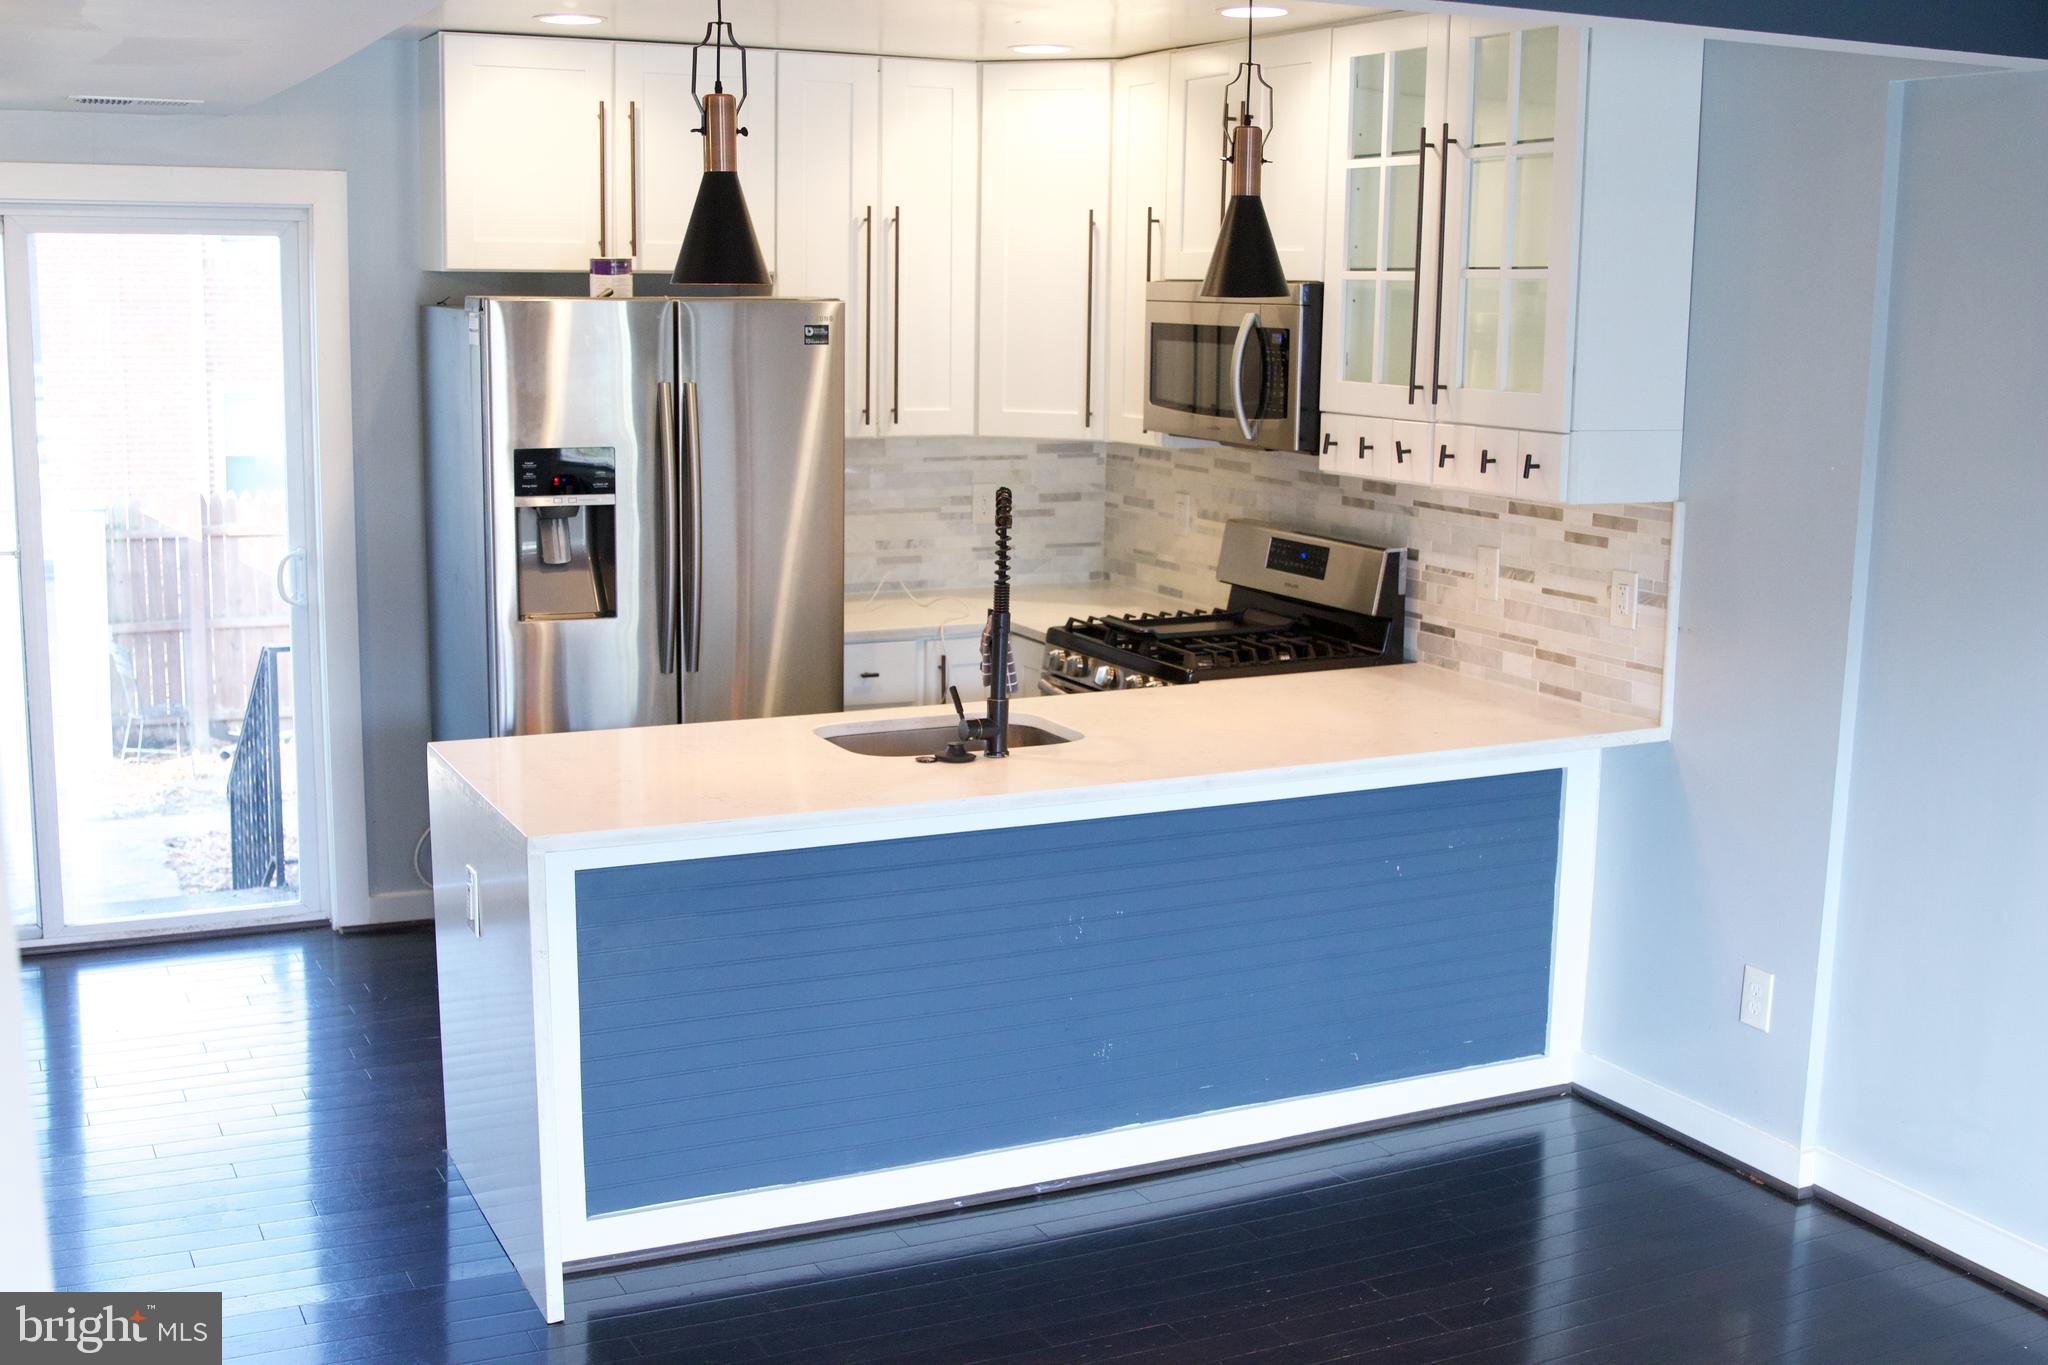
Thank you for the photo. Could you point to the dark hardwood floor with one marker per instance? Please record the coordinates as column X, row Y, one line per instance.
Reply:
column 262, row 1116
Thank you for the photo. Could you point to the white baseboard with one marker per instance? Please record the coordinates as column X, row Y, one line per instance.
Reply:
column 1961, row 1234
column 1742, row 1143
column 415, row 906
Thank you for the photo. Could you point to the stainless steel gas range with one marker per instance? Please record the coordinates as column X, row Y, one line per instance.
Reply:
column 1297, row 603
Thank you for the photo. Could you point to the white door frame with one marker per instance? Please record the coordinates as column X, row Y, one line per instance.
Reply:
column 312, row 207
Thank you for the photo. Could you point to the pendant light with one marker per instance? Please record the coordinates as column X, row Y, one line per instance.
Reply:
column 1245, row 264
column 720, row 253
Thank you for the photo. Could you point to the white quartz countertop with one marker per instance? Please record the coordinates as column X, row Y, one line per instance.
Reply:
column 607, row 787
column 1034, row 610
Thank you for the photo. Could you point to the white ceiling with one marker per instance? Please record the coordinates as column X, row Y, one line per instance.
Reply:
column 229, row 53
column 232, row 54
column 977, row 29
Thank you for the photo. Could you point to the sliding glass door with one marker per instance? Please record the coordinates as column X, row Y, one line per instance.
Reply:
column 155, row 590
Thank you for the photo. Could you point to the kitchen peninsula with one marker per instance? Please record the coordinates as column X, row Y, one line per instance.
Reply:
column 712, row 982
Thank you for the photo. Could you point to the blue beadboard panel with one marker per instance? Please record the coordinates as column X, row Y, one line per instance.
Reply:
column 779, row 1017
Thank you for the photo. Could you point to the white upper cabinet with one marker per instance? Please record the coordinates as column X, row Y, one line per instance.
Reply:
column 516, row 152
column 926, row 333
column 660, row 155
column 1386, row 104
column 1136, row 229
column 1044, row 220
column 1297, row 66
column 1541, row 321
column 829, row 214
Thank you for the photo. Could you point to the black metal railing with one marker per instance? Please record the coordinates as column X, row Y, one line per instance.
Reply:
column 256, row 783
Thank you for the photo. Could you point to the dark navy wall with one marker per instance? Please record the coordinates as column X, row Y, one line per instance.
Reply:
column 780, row 1017
column 2010, row 28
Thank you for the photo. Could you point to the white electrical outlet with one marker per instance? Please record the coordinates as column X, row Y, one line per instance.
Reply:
column 985, row 504
column 1757, row 986
column 473, row 899
column 1621, row 599
column 1184, row 511
column 1486, row 573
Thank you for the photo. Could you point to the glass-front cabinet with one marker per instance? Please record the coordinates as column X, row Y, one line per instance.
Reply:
column 1508, row 181
column 1387, row 82
column 1509, row 236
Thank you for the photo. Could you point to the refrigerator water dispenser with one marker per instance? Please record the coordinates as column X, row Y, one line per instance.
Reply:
column 566, row 502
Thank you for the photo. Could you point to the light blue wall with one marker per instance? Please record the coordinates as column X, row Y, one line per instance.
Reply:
column 1713, row 850
column 1936, row 1070
column 779, row 1017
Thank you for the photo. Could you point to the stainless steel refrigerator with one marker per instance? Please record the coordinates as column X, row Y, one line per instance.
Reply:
column 637, row 511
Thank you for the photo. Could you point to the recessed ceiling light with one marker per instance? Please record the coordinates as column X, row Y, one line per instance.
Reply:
column 1253, row 11
column 1039, row 49
column 570, row 19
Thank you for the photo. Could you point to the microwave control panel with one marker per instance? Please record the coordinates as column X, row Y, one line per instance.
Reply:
column 1279, row 364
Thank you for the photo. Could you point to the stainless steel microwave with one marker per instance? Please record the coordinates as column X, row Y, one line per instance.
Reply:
column 1245, row 372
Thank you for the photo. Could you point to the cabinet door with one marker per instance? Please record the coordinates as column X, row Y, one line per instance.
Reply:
column 1386, row 106
column 828, row 220
column 1044, row 209
column 1137, row 181
column 930, row 149
column 884, row 673
column 1512, row 182
column 1296, row 118
column 518, row 151
column 660, row 155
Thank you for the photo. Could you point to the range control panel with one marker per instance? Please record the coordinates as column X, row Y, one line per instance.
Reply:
column 565, row 472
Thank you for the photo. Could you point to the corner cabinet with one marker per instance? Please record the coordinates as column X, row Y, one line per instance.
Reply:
column 1044, row 252
column 1509, row 244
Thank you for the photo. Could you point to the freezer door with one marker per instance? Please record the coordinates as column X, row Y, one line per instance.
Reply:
column 761, row 403
column 569, row 384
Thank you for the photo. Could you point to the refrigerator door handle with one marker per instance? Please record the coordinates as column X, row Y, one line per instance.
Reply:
column 671, row 519
column 693, row 616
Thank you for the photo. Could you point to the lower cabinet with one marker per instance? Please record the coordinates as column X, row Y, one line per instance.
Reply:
column 917, row 670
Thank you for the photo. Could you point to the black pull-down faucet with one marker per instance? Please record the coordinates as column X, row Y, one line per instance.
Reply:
column 993, row 731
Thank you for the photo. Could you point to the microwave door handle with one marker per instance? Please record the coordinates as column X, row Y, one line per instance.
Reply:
column 671, row 518
column 693, row 616
column 1245, row 331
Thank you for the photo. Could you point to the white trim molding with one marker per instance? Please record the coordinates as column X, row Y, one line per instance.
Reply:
column 1741, row 1144
column 331, row 660
column 1946, row 1229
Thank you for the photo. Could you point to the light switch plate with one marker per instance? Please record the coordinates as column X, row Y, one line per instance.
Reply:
column 473, row 899
column 1758, row 986
column 1486, row 572
column 1184, row 511
column 985, row 504
column 1621, row 599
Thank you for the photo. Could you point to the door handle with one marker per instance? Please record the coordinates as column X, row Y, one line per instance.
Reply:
column 1364, row 450
column 633, row 180
column 1401, row 449
column 1436, row 339
column 1330, row 442
column 1422, row 151
column 1088, row 334
column 1486, row 459
column 1529, row 466
column 693, row 619
column 867, row 325
column 896, row 316
column 1245, row 331
column 285, row 576
column 604, row 187
column 671, row 519
column 1152, row 220
column 1444, row 455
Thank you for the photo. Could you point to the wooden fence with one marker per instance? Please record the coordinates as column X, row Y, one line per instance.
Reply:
column 191, row 602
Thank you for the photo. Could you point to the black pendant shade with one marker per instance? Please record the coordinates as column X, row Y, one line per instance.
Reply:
column 720, row 253
column 720, row 250
column 1245, row 264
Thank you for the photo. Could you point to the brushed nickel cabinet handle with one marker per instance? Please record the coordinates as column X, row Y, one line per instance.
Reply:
column 1088, row 334
column 604, row 187
column 633, row 180
column 896, row 316
column 867, row 325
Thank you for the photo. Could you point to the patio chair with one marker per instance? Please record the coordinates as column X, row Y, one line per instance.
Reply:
column 137, row 715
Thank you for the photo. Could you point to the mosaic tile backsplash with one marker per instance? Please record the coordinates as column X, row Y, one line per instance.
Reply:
column 910, row 510
column 1548, row 631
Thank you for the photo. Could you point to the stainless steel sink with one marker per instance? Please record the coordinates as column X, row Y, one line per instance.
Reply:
column 921, row 735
